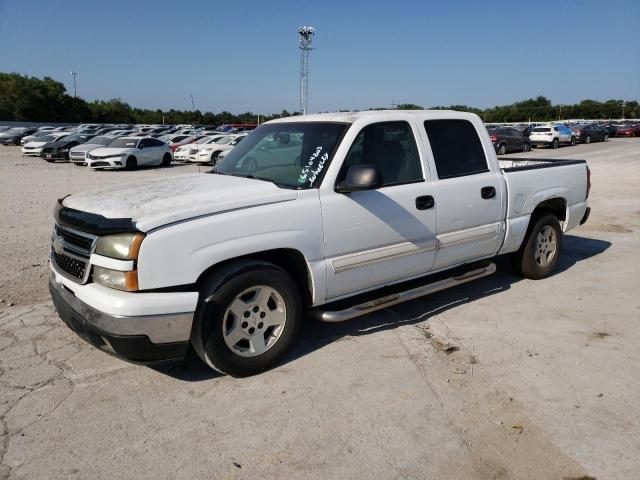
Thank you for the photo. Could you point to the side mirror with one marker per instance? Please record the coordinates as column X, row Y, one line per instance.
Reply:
column 359, row 178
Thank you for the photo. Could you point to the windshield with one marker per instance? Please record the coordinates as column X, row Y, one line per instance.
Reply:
column 46, row 138
column 100, row 140
column 292, row 155
column 124, row 143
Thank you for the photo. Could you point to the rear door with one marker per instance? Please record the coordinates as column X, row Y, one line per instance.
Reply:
column 469, row 193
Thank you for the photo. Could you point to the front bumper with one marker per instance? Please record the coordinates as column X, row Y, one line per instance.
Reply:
column 55, row 155
column 122, row 336
column 109, row 162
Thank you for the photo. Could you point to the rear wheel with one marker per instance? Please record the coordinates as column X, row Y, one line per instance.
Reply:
column 132, row 163
column 555, row 143
column 538, row 255
column 588, row 139
column 166, row 159
column 526, row 147
column 606, row 137
column 502, row 149
column 573, row 141
column 247, row 318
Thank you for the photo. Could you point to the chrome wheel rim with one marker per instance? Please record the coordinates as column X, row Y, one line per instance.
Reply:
column 546, row 246
column 254, row 321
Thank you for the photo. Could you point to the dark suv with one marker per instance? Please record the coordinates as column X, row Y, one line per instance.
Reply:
column 508, row 139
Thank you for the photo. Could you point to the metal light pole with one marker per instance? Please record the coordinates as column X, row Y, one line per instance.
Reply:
column 306, row 37
column 623, row 103
column 74, row 83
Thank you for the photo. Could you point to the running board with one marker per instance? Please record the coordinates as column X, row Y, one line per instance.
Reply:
column 395, row 298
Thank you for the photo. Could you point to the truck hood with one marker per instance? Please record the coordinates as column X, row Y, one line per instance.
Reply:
column 153, row 203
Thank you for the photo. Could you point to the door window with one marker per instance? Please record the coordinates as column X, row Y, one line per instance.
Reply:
column 391, row 147
column 456, row 148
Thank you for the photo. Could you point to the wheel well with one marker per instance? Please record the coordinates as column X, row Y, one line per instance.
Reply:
column 556, row 206
column 290, row 260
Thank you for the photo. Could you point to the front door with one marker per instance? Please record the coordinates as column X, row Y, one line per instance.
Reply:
column 381, row 236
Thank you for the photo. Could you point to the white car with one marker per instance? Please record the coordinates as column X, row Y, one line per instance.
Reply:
column 552, row 136
column 78, row 154
column 209, row 153
column 183, row 151
column 129, row 153
column 34, row 147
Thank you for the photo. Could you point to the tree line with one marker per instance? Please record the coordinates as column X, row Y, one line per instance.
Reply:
column 31, row 99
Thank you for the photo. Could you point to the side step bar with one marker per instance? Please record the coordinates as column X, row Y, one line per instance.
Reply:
column 395, row 298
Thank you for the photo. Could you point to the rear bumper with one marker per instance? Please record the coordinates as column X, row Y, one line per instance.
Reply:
column 122, row 336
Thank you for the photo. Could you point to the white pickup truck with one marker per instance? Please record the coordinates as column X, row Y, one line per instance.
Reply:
column 336, row 215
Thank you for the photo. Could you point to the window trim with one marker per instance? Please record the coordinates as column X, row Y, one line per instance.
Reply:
column 435, row 163
column 395, row 184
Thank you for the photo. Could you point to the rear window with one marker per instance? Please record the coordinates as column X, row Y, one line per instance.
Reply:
column 541, row 129
column 456, row 148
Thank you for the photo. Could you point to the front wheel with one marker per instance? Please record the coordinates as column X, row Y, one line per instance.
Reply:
column 606, row 138
column 538, row 255
column 247, row 317
column 166, row 159
column 573, row 141
column 132, row 163
column 588, row 139
column 526, row 147
column 502, row 149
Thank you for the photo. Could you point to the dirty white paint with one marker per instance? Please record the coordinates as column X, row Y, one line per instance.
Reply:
column 154, row 203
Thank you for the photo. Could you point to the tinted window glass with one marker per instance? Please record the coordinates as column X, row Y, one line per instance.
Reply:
column 456, row 148
column 391, row 147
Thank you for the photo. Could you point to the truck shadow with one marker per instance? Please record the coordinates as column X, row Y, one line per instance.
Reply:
column 316, row 335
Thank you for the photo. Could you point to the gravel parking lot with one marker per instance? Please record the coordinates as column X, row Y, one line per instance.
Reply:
column 501, row 378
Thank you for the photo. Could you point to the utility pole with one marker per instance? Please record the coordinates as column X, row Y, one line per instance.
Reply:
column 75, row 94
column 305, row 35
column 193, row 104
column 623, row 103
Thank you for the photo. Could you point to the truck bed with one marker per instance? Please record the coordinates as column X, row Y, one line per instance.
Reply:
column 515, row 165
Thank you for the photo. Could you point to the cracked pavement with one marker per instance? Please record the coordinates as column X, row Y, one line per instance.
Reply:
column 500, row 378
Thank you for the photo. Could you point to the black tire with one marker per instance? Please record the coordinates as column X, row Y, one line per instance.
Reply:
column 606, row 138
column 132, row 163
column 166, row 159
column 573, row 141
column 502, row 149
column 555, row 144
column 588, row 139
column 214, row 158
column 524, row 260
column 218, row 292
column 526, row 147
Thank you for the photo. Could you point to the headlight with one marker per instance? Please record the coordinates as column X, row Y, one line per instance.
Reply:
column 127, row 281
column 124, row 246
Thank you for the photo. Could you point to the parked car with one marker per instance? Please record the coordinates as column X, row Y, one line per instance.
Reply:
column 77, row 154
column 552, row 136
column 209, row 153
column 590, row 133
column 59, row 149
column 228, row 263
column 130, row 153
column 179, row 140
column 34, row 136
column 611, row 129
column 626, row 131
column 12, row 136
column 35, row 147
column 182, row 152
column 508, row 139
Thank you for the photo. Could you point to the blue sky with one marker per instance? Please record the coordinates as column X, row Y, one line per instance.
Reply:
column 240, row 56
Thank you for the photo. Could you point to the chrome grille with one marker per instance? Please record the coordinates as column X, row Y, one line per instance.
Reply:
column 70, row 252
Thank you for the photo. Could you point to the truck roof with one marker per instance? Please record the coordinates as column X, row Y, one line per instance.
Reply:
column 351, row 117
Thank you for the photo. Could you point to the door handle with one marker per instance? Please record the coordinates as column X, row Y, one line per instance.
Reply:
column 425, row 202
column 488, row 192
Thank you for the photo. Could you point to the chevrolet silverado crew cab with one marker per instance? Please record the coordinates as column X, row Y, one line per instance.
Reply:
column 329, row 216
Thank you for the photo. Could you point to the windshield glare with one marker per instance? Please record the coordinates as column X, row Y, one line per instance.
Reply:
column 291, row 155
column 124, row 143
